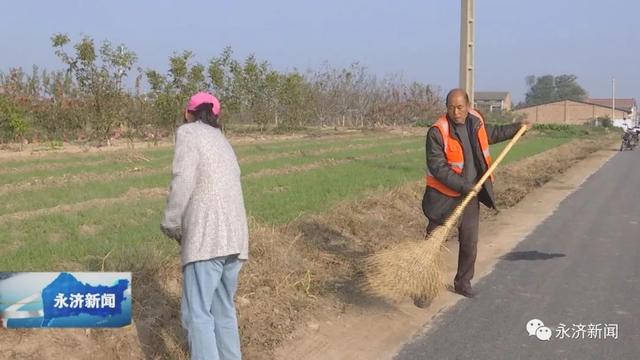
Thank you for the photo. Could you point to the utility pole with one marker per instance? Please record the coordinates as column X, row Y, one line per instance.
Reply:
column 613, row 98
column 467, row 39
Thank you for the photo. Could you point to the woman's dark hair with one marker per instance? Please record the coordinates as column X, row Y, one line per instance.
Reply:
column 204, row 113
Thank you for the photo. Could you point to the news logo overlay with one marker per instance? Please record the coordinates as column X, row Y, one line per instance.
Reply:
column 65, row 299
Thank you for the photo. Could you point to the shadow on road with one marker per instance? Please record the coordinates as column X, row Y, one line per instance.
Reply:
column 530, row 255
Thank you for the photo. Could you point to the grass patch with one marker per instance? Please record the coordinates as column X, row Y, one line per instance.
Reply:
column 336, row 154
column 569, row 131
column 281, row 198
column 245, row 150
column 86, row 235
column 82, row 167
column 54, row 241
column 74, row 193
column 62, row 159
column 54, row 166
column 278, row 191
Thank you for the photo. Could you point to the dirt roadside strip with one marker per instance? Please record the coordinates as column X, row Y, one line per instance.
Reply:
column 378, row 332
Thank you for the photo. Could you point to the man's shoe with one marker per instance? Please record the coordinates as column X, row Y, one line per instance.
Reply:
column 421, row 302
column 466, row 292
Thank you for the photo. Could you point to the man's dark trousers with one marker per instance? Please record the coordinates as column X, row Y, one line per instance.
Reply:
column 468, row 227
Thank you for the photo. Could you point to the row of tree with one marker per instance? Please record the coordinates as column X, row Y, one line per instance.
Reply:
column 101, row 93
column 548, row 88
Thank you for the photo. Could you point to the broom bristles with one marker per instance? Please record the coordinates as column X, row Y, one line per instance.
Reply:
column 410, row 269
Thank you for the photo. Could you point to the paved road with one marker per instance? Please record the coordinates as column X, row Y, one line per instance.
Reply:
column 581, row 266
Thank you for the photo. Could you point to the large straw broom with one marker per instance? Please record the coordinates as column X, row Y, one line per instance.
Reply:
column 414, row 268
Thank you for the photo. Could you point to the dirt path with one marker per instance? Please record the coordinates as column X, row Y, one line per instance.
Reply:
column 377, row 330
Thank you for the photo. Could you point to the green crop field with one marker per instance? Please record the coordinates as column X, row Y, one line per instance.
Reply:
column 72, row 211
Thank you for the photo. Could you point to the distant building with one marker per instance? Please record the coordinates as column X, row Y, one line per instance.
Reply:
column 492, row 100
column 574, row 112
column 628, row 105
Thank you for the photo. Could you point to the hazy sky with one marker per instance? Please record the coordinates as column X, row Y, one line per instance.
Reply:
column 418, row 39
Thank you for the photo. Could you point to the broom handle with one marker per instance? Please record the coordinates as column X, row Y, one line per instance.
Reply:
column 476, row 189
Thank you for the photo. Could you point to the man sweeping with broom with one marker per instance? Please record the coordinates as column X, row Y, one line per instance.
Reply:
column 457, row 147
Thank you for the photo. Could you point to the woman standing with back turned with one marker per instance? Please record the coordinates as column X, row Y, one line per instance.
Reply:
column 205, row 213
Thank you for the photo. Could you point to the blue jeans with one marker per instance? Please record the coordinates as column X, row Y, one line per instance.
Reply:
column 208, row 310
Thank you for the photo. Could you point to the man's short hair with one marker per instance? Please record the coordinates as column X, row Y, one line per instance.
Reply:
column 451, row 92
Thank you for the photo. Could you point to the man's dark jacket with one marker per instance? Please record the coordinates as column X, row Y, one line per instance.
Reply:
column 437, row 206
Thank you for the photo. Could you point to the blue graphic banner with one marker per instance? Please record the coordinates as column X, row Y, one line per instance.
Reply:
column 65, row 299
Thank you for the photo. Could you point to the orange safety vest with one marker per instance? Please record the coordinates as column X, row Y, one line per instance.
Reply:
column 454, row 153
